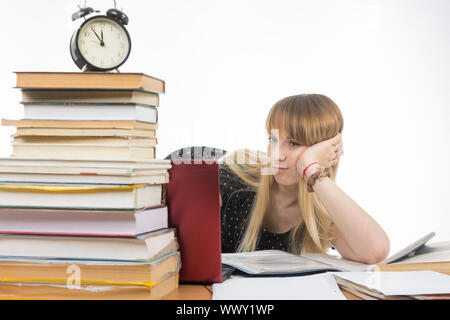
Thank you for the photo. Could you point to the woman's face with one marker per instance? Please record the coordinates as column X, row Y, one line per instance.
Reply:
column 284, row 153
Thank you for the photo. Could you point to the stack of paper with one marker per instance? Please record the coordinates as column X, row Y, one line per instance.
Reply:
column 313, row 287
column 395, row 285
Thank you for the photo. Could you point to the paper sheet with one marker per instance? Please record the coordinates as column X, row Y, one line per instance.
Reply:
column 314, row 287
column 339, row 262
column 401, row 282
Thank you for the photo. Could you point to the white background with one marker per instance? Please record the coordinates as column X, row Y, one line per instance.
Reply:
column 225, row 63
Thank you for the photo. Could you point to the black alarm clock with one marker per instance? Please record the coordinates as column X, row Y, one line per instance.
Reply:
column 102, row 42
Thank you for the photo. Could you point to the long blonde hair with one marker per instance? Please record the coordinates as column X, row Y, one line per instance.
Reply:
column 308, row 119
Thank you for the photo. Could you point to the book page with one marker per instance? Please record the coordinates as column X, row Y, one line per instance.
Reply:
column 339, row 262
column 272, row 262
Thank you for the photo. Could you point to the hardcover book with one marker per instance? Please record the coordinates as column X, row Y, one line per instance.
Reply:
column 88, row 80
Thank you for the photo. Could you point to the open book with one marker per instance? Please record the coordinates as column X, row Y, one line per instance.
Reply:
column 277, row 262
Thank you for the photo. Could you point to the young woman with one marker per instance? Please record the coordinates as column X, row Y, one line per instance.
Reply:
column 287, row 199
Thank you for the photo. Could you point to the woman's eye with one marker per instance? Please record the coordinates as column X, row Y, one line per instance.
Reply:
column 293, row 143
column 272, row 139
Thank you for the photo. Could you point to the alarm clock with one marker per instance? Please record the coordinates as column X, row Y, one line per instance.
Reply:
column 101, row 43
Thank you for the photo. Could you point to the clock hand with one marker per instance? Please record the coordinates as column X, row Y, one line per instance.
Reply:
column 101, row 41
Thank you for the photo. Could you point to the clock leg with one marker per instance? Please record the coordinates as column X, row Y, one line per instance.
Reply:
column 84, row 69
column 117, row 69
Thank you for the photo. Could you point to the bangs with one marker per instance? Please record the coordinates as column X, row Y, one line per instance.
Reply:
column 306, row 119
column 284, row 116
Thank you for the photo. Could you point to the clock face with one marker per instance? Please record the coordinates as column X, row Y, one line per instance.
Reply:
column 103, row 43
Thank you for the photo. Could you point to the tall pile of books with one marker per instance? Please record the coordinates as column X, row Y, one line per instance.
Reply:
column 82, row 197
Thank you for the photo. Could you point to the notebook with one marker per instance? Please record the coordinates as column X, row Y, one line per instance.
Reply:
column 193, row 201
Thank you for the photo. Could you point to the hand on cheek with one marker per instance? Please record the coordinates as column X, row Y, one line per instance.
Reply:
column 323, row 154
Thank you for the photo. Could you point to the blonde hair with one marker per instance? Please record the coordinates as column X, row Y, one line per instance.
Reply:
column 308, row 119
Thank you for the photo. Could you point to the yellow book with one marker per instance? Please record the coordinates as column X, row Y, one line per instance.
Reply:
column 88, row 80
column 442, row 267
column 91, row 96
column 90, row 272
column 81, row 124
column 49, row 291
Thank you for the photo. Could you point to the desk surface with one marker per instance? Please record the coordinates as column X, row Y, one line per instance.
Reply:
column 190, row 292
column 204, row 292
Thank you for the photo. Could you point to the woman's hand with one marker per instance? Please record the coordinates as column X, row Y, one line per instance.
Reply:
column 326, row 153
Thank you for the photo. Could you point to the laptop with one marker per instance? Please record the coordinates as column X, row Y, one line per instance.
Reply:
column 193, row 201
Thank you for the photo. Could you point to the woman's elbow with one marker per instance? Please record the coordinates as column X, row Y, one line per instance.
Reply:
column 379, row 253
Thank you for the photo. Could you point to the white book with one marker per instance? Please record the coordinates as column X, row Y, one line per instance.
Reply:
column 110, row 171
column 120, row 171
column 97, row 111
column 82, row 151
column 431, row 252
column 98, row 141
column 410, row 250
column 155, row 177
column 85, row 197
column 90, row 162
column 83, row 222
column 143, row 247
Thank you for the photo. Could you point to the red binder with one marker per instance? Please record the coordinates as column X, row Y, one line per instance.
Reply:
column 193, row 201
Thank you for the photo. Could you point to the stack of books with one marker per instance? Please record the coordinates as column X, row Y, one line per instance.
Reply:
column 87, row 115
column 82, row 198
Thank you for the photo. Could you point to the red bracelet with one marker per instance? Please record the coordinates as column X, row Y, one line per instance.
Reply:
column 304, row 170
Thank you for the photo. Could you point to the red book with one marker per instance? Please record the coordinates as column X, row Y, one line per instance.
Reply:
column 193, row 200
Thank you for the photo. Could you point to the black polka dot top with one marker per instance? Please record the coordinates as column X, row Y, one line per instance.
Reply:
column 237, row 201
